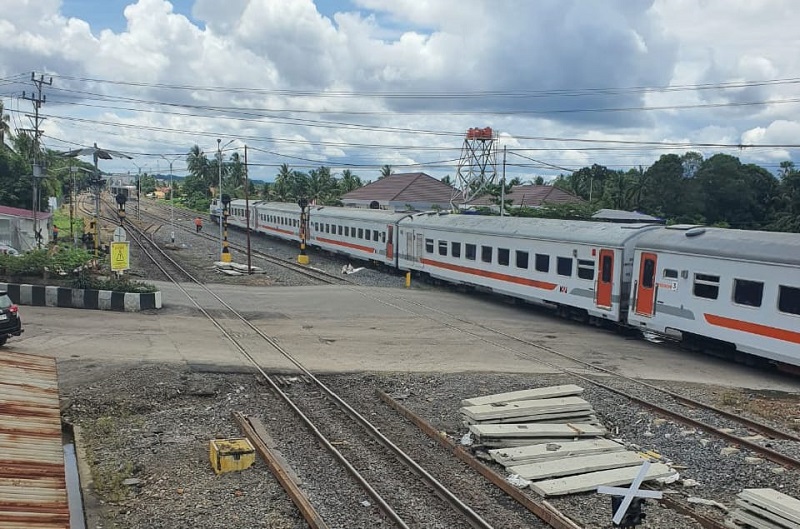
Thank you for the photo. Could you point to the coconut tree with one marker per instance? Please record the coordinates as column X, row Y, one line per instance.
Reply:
column 386, row 170
column 349, row 182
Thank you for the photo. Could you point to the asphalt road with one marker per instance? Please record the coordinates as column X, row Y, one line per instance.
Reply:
column 344, row 329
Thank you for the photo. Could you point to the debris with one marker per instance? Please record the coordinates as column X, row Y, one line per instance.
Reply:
column 711, row 503
column 365, row 503
column 729, row 450
column 518, row 481
column 466, row 439
column 753, row 460
column 132, row 482
column 689, row 483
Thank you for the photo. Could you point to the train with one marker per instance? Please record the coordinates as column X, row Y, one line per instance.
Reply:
column 714, row 288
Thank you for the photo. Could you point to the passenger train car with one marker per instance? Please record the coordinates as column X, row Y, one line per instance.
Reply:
column 731, row 288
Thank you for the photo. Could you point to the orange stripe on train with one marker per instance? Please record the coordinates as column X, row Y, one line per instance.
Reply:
column 753, row 328
column 491, row 275
column 347, row 244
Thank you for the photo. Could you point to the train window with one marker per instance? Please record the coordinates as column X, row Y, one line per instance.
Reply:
column 442, row 247
column 429, row 245
column 669, row 273
column 748, row 293
column 360, row 233
column 542, row 262
column 455, row 249
column 586, row 269
column 470, row 251
column 339, row 229
column 486, row 254
column 606, row 263
column 564, row 266
column 375, row 235
column 503, row 256
column 366, row 234
column 706, row 286
column 649, row 273
column 522, row 259
column 316, row 226
column 347, row 231
column 383, row 237
column 789, row 300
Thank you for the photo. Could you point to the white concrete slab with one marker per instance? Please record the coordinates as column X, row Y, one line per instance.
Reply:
column 526, row 408
column 516, row 443
column 592, row 480
column 561, row 450
column 576, row 416
column 576, row 465
column 774, row 501
column 525, row 394
column 532, row 430
column 753, row 521
column 766, row 514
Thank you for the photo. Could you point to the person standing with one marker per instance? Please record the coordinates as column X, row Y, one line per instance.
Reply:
column 198, row 224
column 55, row 234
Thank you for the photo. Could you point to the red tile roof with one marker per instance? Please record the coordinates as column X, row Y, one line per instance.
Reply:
column 24, row 213
column 531, row 196
column 405, row 188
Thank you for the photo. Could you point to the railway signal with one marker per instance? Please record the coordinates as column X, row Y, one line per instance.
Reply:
column 226, row 252
column 303, row 257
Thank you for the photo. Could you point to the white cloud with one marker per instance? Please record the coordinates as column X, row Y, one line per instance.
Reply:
column 280, row 48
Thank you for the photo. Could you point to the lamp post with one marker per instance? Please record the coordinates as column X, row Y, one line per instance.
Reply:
column 171, row 197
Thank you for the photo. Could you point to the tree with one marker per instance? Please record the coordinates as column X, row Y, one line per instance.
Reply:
column 5, row 127
column 322, row 187
column 787, row 217
column 386, row 170
column 667, row 192
column 539, row 181
column 349, row 182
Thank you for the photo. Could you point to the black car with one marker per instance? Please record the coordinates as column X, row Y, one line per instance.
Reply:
column 10, row 322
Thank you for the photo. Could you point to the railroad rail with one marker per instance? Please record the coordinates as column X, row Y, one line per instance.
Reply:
column 470, row 516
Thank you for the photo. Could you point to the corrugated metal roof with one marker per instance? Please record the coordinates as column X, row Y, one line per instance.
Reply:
column 23, row 213
column 33, row 491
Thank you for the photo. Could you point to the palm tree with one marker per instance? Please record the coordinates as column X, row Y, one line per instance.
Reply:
column 386, row 170
column 349, row 182
column 281, row 189
column 5, row 128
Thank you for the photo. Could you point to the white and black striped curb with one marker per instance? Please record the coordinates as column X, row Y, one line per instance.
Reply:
column 78, row 298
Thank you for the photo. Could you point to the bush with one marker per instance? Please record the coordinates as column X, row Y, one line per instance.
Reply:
column 123, row 284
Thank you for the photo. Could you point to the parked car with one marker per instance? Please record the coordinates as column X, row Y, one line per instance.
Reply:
column 10, row 321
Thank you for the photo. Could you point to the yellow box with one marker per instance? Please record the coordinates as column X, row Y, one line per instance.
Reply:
column 228, row 455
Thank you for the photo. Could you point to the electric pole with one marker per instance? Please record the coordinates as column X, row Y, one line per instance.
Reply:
column 37, row 99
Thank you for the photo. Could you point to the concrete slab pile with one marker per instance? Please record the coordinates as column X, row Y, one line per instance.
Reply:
column 764, row 509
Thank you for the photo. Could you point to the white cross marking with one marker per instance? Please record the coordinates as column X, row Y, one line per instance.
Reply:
column 630, row 493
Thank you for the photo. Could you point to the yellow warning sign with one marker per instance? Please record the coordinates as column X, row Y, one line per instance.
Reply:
column 120, row 256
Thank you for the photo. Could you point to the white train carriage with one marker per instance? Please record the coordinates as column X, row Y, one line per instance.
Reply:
column 365, row 234
column 277, row 219
column 741, row 288
column 237, row 214
column 581, row 268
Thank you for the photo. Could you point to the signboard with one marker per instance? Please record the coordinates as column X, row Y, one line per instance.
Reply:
column 120, row 235
column 120, row 256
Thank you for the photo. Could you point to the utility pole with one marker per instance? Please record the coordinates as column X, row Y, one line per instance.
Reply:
column 503, row 186
column 37, row 99
column 247, row 209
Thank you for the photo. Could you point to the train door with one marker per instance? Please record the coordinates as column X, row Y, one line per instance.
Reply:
column 646, row 289
column 389, row 241
column 410, row 246
column 605, row 279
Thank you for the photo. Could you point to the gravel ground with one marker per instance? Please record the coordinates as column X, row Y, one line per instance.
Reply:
column 154, row 422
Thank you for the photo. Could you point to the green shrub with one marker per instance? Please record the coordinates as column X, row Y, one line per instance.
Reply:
column 123, row 284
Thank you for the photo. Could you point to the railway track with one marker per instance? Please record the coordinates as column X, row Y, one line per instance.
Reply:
column 668, row 407
column 398, row 485
column 306, row 271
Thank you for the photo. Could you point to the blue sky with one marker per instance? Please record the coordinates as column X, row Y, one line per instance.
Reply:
column 108, row 14
column 362, row 83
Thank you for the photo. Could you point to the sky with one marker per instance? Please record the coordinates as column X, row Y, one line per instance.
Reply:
column 358, row 84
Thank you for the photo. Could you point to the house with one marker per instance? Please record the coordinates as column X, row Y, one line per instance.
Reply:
column 399, row 192
column 530, row 196
column 16, row 227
